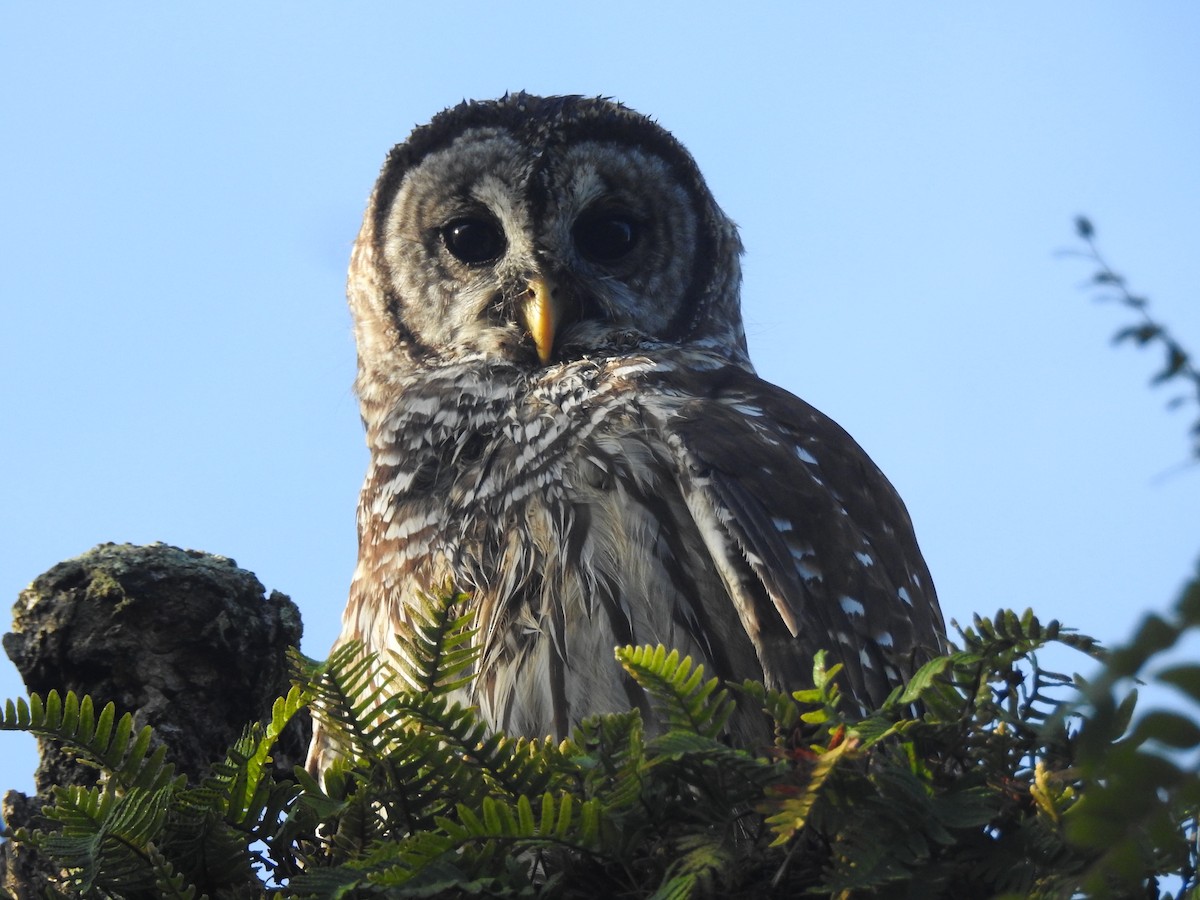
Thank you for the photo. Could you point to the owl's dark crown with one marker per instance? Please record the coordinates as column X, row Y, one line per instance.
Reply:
column 540, row 122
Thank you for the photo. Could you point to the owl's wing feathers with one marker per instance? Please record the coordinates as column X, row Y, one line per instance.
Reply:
column 813, row 543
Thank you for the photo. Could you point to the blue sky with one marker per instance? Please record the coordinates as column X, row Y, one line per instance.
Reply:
column 179, row 190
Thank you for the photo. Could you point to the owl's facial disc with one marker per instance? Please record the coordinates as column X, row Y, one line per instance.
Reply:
column 538, row 254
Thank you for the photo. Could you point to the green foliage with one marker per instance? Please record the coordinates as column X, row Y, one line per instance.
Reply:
column 689, row 703
column 985, row 776
column 1177, row 368
column 1143, row 787
column 142, row 831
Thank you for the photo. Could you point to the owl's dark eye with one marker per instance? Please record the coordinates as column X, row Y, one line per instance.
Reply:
column 605, row 238
column 474, row 240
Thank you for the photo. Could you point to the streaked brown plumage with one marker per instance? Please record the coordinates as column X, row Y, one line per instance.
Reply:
column 564, row 423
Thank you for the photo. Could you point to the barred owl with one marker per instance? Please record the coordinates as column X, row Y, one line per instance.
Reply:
column 564, row 423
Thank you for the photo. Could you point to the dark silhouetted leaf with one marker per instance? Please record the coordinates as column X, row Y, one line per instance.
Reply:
column 1168, row 728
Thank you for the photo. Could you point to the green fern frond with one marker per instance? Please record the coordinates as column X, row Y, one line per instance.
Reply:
column 704, row 861
column 350, row 694
column 678, row 887
column 559, row 818
column 436, row 654
column 1009, row 635
column 170, row 884
column 108, row 836
column 513, row 765
column 283, row 712
column 327, row 884
column 927, row 678
column 425, row 757
column 788, row 808
column 358, row 827
column 102, row 741
column 103, row 836
column 463, row 848
column 610, row 751
column 678, row 689
column 375, row 708
column 212, row 825
column 780, row 706
column 238, row 789
column 737, row 776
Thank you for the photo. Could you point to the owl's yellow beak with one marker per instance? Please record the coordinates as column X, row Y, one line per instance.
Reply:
column 542, row 309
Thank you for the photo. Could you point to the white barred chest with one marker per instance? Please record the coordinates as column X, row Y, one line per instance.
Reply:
column 546, row 502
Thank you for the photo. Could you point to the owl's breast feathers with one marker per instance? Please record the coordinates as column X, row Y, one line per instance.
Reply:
column 670, row 499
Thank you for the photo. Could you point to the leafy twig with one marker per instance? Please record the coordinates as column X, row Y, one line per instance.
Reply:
column 1178, row 364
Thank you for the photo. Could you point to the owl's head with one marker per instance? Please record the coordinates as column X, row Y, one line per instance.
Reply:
column 538, row 230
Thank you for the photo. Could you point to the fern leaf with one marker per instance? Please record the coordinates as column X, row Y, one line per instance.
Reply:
column 788, row 811
column 546, row 817
column 736, row 766
column 498, row 819
column 678, row 887
column 169, row 883
column 687, row 701
column 705, row 858
column 94, row 739
column 333, row 883
column 525, row 816
column 349, row 697
column 610, row 749
column 103, row 838
column 513, row 765
column 564, row 816
column 102, row 732
column 434, row 657
column 782, row 708
column 472, row 824
column 922, row 680
column 491, row 816
column 589, row 823
column 16, row 715
column 248, row 801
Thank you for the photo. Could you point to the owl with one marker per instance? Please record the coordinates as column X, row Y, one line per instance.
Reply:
column 564, row 424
